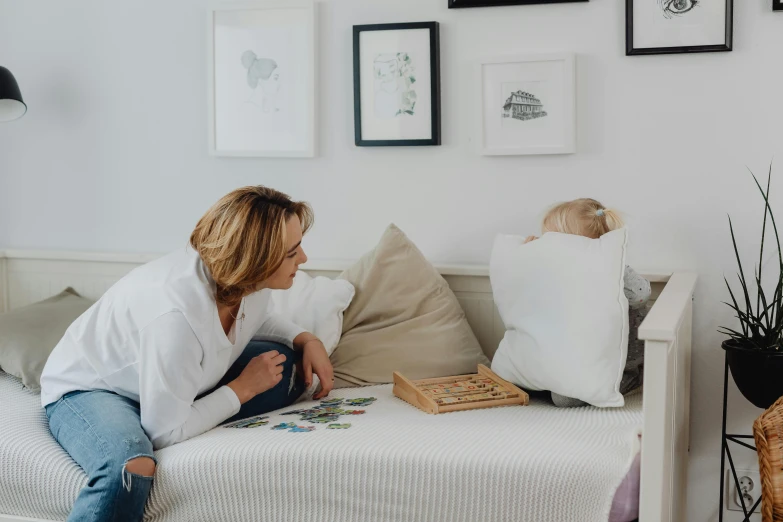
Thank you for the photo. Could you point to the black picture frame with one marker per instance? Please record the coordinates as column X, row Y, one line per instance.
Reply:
column 777, row 5
column 434, row 28
column 456, row 4
column 630, row 50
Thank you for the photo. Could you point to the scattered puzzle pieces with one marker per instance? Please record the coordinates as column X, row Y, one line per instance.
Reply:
column 327, row 412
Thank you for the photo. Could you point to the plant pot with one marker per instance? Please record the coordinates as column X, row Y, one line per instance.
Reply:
column 758, row 374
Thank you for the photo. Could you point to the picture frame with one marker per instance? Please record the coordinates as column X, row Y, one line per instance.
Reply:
column 456, row 4
column 396, row 73
column 678, row 26
column 777, row 5
column 527, row 104
column 261, row 60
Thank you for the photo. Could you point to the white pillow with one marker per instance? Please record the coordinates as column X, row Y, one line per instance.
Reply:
column 561, row 299
column 317, row 305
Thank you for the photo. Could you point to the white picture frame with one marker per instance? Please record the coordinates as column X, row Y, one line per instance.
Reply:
column 527, row 104
column 261, row 63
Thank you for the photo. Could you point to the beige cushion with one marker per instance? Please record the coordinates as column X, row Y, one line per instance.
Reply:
column 29, row 334
column 404, row 317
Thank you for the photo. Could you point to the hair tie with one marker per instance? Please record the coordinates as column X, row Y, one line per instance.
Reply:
column 599, row 212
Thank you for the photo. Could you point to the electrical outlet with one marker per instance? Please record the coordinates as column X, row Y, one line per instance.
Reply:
column 750, row 489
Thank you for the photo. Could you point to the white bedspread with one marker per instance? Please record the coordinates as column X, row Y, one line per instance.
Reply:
column 533, row 463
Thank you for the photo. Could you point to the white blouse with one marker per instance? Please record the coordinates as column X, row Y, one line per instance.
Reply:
column 155, row 337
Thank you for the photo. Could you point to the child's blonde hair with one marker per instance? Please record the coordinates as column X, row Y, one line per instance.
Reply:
column 582, row 217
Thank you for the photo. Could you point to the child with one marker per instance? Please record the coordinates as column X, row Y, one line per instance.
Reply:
column 587, row 217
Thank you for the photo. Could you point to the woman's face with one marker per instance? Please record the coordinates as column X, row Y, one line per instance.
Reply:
column 272, row 85
column 283, row 278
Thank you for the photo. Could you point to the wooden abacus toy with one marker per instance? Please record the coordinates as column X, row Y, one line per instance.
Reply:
column 462, row 392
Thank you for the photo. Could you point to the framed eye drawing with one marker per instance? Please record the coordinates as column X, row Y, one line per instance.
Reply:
column 678, row 26
column 396, row 75
column 261, row 80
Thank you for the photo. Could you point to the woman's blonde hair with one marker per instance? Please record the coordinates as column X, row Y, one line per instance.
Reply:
column 583, row 217
column 242, row 239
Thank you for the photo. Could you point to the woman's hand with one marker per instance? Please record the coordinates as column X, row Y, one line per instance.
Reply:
column 262, row 373
column 528, row 239
column 315, row 360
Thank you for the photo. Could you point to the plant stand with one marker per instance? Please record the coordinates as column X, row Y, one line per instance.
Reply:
column 726, row 452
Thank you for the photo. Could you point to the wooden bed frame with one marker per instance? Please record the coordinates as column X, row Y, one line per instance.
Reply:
column 30, row 276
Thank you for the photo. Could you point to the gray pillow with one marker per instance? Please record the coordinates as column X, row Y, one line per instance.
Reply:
column 29, row 334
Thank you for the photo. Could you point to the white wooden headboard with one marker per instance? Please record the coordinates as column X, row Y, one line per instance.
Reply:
column 30, row 276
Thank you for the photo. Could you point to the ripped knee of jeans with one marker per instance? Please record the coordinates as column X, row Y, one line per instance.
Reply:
column 131, row 441
column 127, row 476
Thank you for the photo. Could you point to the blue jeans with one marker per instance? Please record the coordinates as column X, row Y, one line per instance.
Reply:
column 290, row 387
column 102, row 431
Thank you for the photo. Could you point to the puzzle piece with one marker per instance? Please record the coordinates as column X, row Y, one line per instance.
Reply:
column 333, row 410
column 325, row 419
column 284, row 426
column 254, row 424
column 331, row 402
column 361, row 401
column 251, row 422
column 317, row 413
column 338, row 426
column 302, row 429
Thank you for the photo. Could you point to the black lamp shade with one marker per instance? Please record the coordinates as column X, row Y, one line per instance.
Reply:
column 11, row 104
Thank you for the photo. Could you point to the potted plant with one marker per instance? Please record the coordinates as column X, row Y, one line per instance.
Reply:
column 755, row 352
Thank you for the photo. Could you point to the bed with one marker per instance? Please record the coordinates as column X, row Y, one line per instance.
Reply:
column 395, row 463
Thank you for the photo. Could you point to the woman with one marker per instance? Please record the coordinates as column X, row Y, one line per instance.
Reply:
column 162, row 356
column 266, row 72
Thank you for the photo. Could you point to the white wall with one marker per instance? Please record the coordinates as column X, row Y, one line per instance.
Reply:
column 112, row 154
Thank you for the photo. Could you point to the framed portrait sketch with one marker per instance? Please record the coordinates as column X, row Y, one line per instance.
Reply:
column 396, row 79
column 777, row 5
column 528, row 104
column 262, row 79
column 678, row 26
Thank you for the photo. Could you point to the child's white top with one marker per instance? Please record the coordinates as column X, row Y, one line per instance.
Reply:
column 156, row 338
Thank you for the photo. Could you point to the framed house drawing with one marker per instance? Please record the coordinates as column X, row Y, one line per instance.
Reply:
column 528, row 104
